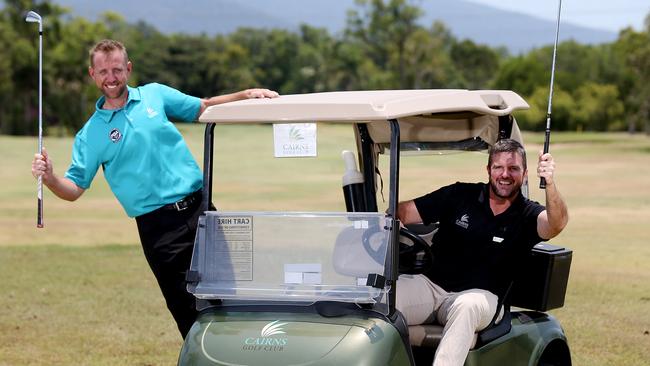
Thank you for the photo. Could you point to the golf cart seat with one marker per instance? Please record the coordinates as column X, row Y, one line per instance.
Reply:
column 425, row 338
column 425, row 335
column 428, row 336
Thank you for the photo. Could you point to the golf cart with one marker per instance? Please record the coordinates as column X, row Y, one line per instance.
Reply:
column 319, row 288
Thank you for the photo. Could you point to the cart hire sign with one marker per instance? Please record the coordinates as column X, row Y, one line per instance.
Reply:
column 294, row 140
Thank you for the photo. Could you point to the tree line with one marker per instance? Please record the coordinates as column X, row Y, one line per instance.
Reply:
column 602, row 87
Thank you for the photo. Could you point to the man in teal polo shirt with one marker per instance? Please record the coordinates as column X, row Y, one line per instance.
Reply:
column 147, row 165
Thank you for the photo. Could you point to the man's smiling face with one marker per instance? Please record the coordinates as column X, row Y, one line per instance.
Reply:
column 507, row 174
column 111, row 71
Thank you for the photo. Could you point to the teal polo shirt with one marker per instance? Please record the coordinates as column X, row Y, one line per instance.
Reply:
column 145, row 160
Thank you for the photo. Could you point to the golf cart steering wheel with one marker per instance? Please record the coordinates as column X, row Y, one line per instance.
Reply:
column 409, row 261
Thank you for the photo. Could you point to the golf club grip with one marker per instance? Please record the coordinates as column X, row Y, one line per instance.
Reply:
column 547, row 139
column 39, row 218
column 542, row 183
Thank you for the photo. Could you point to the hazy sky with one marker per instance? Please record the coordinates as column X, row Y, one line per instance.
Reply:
column 610, row 15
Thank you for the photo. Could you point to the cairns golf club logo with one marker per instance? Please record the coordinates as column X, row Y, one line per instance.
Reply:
column 115, row 135
column 295, row 134
column 295, row 141
column 270, row 339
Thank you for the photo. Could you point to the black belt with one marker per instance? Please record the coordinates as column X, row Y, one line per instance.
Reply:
column 184, row 203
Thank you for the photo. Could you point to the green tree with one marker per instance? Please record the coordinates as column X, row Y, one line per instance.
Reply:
column 346, row 70
column 383, row 47
column 383, row 29
column 429, row 64
column 476, row 64
column 634, row 50
column 7, row 35
column 585, row 72
column 314, row 63
column 184, row 65
column 234, row 67
column 534, row 119
column 20, row 112
column 599, row 108
column 522, row 74
column 271, row 55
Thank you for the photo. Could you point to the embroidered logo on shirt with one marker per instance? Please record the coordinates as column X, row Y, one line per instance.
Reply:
column 463, row 221
column 115, row 135
column 151, row 112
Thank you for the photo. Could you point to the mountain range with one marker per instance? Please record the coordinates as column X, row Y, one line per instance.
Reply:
column 483, row 24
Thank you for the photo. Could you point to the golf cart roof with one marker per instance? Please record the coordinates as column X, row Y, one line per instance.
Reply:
column 364, row 106
column 424, row 115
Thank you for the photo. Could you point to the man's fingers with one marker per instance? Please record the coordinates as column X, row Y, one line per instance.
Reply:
column 262, row 93
column 271, row 94
column 40, row 164
column 42, row 156
column 37, row 166
column 544, row 156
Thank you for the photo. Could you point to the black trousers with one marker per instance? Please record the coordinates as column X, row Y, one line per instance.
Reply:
column 167, row 238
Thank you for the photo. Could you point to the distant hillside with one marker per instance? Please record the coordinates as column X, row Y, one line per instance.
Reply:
column 482, row 24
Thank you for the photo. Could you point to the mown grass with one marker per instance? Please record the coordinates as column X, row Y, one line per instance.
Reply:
column 79, row 291
column 94, row 305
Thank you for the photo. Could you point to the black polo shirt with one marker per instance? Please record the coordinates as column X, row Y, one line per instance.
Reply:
column 473, row 248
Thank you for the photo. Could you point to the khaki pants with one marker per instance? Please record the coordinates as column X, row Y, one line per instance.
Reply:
column 461, row 313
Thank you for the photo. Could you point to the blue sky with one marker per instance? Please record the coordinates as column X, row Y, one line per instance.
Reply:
column 609, row 15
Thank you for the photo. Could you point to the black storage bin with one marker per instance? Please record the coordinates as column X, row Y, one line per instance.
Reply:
column 542, row 282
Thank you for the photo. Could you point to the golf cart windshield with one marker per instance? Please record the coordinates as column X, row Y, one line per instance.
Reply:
column 290, row 256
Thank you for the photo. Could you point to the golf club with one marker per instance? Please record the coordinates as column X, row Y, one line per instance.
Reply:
column 547, row 135
column 33, row 17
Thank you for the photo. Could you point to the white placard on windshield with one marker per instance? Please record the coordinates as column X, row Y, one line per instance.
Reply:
column 294, row 140
column 233, row 245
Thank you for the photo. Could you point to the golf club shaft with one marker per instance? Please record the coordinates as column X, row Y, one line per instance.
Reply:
column 547, row 134
column 39, row 218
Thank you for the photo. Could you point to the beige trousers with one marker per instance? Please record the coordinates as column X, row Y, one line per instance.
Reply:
column 461, row 313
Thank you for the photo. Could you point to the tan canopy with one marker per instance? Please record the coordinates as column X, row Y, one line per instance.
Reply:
column 424, row 115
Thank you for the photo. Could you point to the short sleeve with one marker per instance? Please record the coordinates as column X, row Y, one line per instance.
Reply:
column 84, row 163
column 431, row 205
column 531, row 212
column 179, row 105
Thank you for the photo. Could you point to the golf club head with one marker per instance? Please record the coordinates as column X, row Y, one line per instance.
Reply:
column 33, row 17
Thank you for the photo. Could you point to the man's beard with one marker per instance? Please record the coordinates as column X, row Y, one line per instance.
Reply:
column 513, row 193
column 114, row 93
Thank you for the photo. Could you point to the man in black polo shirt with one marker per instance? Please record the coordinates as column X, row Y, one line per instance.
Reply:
column 483, row 229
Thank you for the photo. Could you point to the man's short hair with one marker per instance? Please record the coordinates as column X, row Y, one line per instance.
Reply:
column 507, row 145
column 107, row 46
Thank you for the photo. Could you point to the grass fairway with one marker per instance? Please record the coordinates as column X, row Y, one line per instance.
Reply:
column 79, row 291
